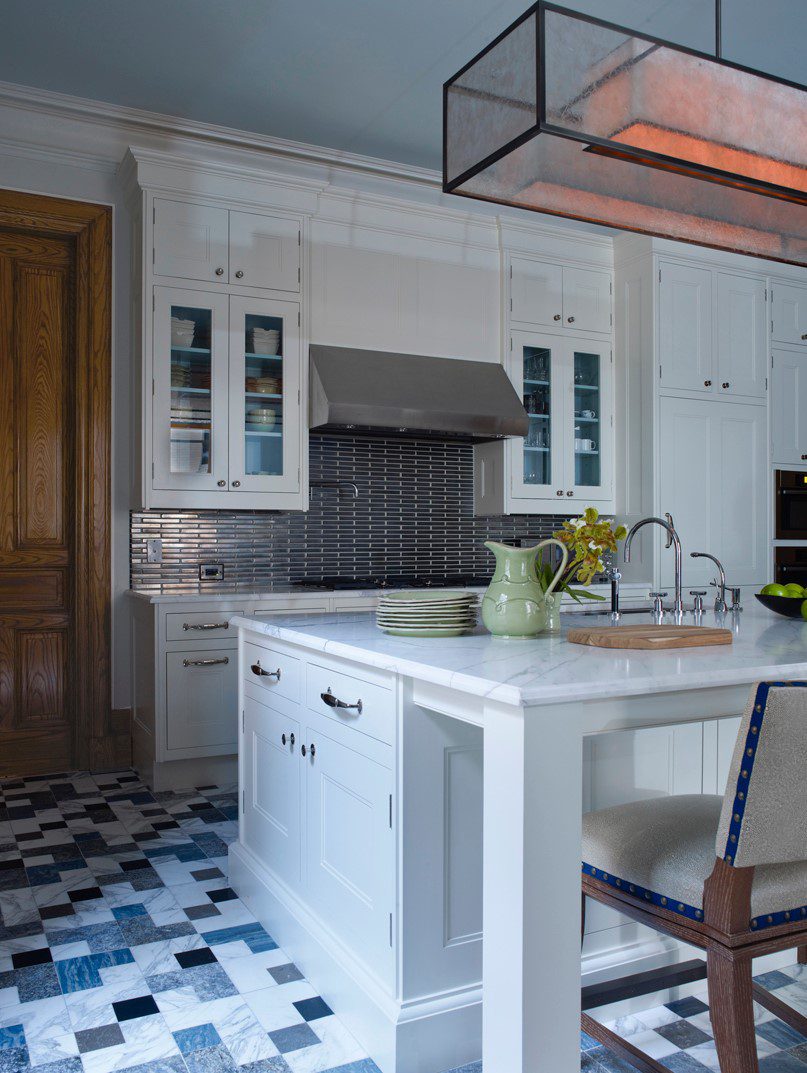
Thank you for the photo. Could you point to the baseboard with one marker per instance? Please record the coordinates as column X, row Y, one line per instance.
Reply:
column 431, row 1033
column 185, row 774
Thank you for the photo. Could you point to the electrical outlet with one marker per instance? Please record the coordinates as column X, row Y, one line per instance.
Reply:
column 211, row 572
column 154, row 550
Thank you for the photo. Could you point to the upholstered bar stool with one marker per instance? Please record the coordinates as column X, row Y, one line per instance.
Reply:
column 728, row 875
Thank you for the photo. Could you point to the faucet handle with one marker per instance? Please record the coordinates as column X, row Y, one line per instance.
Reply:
column 699, row 595
column 671, row 530
column 658, row 606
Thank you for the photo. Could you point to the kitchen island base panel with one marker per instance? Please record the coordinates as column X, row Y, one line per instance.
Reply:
column 180, row 774
column 433, row 1032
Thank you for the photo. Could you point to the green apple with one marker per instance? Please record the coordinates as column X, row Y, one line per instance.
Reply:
column 794, row 591
column 804, row 610
column 773, row 589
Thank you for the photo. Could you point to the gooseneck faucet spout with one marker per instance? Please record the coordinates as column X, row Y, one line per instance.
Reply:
column 673, row 541
column 719, row 582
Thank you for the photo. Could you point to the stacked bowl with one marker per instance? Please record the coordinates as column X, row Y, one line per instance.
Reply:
column 429, row 613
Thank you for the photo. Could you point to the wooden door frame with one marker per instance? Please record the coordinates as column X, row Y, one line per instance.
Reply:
column 89, row 227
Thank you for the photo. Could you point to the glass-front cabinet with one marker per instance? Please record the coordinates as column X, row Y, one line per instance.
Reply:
column 566, row 387
column 226, row 399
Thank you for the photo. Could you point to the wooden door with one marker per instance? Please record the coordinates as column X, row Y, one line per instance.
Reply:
column 685, row 327
column 54, row 502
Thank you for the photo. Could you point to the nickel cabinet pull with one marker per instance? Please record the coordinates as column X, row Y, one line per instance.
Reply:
column 256, row 668
column 206, row 626
column 291, row 739
column 335, row 702
column 312, row 747
column 204, row 662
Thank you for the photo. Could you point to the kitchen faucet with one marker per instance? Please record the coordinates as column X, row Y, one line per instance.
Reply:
column 673, row 540
column 719, row 582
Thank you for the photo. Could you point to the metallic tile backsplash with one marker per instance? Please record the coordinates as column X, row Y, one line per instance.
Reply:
column 414, row 515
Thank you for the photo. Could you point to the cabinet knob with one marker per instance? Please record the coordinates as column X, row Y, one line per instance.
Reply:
column 219, row 271
column 236, row 484
column 707, row 383
column 221, row 484
column 239, row 274
column 557, row 316
column 313, row 748
column 804, row 458
column 291, row 739
column 570, row 493
column 559, row 492
column 726, row 384
column 570, row 320
column 804, row 335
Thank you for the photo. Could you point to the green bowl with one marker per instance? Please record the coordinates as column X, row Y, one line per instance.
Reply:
column 789, row 606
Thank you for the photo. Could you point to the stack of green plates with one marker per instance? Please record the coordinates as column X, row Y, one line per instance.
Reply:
column 427, row 613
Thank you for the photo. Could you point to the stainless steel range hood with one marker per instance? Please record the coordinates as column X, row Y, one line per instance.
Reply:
column 376, row 391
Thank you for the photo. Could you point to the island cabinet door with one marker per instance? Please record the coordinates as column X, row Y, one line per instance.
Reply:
column 272, row 783
column 350, row 864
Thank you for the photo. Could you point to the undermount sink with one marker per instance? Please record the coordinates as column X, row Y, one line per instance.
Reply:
column 606, row 612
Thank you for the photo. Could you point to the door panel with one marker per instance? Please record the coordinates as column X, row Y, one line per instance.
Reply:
column 536, row 292
column 265, row 250
column 586, row 300
column 741, row 335
column 37, row 450
column 349, row 848
column 590, row 421
column 685, row 326
column 789, row 313
column 272, row 780
column 538, row 369
column 190, row 241
column 201, row 688
column 789, row 406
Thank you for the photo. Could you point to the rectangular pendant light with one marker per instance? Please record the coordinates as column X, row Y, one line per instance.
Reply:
column 569, row 115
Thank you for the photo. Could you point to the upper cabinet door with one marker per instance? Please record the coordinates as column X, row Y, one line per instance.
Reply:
column 189, row 390
column 264, row 251
column 590, row 421
column 190, row 241
column 741, row 335
column 789, row 313
column 265, row 367
column 536, row 292
column 685, row 327
column 789, row 406
column 538, row 470
column 587, row 300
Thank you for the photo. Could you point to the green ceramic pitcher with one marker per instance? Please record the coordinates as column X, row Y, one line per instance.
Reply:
column 515, row 604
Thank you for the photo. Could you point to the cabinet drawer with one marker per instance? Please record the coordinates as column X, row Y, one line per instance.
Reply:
column 258, row 659
column 202, row 700
column 376, row 717
column 199, row 626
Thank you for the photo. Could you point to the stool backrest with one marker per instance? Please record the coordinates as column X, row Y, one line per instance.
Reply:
column 764, row 817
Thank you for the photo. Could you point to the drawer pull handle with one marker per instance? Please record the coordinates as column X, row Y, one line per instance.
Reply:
column 205, row 626
column 290, row 739
column 335, row 702
column 204, row 662
column 313, row 748
column 261, row 673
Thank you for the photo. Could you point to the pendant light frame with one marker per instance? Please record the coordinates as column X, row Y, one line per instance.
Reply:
column 604, row 146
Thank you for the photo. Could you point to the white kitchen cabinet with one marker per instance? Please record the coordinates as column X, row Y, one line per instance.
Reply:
column 272, row 777
column 742, row 335
column 199, row 690
column 190, row 240
column 219, row 245
column 349, row 845
column 713, row 479
column 685, row 327
column 552, row 295
column 226, row 414
column 789, row 406
column 566, row 460
column 789, row 315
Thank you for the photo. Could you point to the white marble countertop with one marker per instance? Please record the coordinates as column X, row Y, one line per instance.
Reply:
column 549, row 668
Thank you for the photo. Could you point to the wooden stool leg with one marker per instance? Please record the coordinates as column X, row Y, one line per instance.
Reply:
column 803, row 955
column 732, row 1009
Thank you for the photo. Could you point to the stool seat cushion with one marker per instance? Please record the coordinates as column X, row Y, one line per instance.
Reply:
column 662, row 851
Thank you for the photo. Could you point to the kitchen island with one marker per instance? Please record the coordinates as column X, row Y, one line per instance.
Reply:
column 361, row 756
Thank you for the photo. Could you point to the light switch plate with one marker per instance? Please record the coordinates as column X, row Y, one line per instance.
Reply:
column 211, row 571
column 154, row 550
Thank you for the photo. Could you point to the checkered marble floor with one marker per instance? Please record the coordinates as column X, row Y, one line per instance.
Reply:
column 122, row 948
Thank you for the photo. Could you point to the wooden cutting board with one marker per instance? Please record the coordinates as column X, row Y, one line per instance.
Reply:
column 650, row 637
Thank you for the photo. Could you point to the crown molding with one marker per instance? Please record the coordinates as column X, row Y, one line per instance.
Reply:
column 135, row 120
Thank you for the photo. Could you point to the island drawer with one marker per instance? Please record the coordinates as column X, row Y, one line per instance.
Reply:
column 367, row 706
column 273, row 672
column 199, row 626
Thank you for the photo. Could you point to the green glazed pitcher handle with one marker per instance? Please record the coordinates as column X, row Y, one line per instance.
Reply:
column 563, row 562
